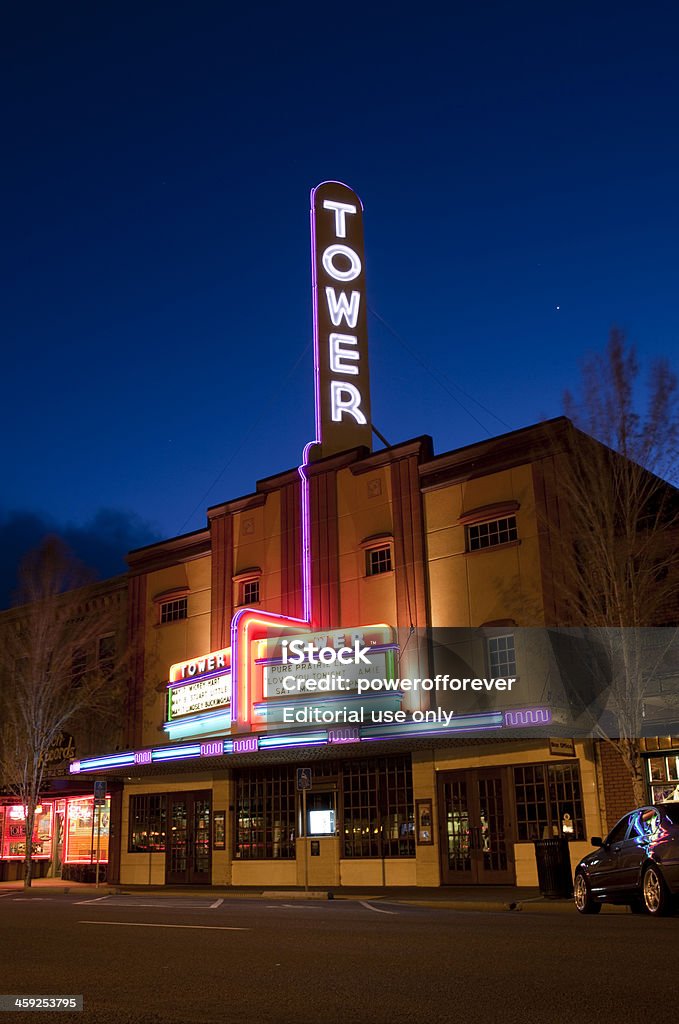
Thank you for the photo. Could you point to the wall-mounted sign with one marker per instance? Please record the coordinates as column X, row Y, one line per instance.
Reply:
column 340, row 319
column 57, row 756
column 562, row 747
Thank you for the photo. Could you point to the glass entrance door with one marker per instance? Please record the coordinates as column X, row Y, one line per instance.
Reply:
column 187, row 860
column 476, row 838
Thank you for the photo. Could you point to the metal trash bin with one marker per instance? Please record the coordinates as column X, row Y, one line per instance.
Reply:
column 555, row 877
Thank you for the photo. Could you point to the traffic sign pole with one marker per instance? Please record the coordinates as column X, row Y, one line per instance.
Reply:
column 99, row 801
column 98, row 841
column 306, row 843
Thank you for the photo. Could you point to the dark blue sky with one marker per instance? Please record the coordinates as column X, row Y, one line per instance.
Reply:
column 518, row 165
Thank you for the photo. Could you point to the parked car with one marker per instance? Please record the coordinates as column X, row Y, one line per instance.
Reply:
column 636, row 864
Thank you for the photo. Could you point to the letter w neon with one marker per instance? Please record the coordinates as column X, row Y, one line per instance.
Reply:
column 340, row 306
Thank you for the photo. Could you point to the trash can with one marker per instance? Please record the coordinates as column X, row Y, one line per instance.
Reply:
column 554, row 868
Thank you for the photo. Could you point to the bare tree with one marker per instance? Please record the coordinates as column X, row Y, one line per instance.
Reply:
column 54, row 668
column 623, row 517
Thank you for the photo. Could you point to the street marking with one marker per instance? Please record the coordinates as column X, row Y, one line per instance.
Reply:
column 150, row 924
column 7, row 893
column 378, row 910
column 160, row 904
column 99, row 899
column 213, row 906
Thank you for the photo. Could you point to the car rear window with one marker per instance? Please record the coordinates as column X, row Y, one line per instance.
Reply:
column 671, row 812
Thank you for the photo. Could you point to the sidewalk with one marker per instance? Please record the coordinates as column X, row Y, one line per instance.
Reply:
column 493, row 899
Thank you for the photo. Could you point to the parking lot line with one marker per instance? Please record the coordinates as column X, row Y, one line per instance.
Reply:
column 378, row 910
column 151, row 924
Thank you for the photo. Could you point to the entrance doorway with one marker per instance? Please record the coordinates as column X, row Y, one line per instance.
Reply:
column 476, row 836
column 188, row 856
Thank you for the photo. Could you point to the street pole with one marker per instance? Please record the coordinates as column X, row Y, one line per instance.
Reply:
column 306, row 843
column 98, row 840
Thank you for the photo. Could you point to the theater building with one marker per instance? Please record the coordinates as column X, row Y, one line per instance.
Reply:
column 434, row 565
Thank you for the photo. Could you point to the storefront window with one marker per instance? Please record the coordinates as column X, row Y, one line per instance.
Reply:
column 148, row 813
column 86, row 831
column 548, row 801
column 379, row 812
column 663, row 776
column 265, row 814
column 13, row 832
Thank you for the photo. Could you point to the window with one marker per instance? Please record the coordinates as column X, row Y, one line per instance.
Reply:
column 147, row 823
column 106, row 649
column 663, row 774
column 548, row 801
column 490, row 534
column 645, row 823
column 619, row 832
column 173, row 611
column 78, row 665
column 265, row 814
column 501, row 656
column 378, row 560
column 379, row 818
column 250, row 592
column 247, row 588
column 80, row 831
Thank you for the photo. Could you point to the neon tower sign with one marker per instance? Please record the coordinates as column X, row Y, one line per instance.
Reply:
column 340, row 321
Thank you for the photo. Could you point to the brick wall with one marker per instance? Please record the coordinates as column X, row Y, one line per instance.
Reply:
column 618, row 792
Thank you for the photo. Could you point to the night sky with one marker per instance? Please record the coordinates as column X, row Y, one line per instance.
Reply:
column 518, row 165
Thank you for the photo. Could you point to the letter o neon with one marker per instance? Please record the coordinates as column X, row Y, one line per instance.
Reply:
column 341, row 275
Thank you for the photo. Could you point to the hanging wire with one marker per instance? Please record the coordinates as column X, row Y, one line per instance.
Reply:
column 441, row 379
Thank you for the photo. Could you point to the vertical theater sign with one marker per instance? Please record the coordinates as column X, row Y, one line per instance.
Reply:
column 340, row 320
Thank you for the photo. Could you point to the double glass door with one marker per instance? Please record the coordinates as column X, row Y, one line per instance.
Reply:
column 187, row 858
column 476, row 835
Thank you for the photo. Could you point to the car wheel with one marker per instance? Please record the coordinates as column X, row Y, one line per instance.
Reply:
column 637, row 906
column 585, row 903
column 654, row 892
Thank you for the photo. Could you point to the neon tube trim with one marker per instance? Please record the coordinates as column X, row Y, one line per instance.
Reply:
column 240, row 655
column 309, row 739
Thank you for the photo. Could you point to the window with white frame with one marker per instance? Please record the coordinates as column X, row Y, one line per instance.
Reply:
column 247, row 587
column 173, row 611
column 249, row 592
column 501, row 656
column 491, row 533
column 378, row 560
column 663, row 777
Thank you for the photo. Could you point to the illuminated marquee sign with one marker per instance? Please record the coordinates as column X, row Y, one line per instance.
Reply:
column 203, row 695
column 340, row 319
column 199, row 696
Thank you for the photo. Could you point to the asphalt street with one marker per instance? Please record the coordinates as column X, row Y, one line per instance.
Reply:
column 152, row 959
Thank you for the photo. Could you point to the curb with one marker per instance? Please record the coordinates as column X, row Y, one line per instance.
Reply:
column 229, row 894
column 296, row 895
column 487, row 906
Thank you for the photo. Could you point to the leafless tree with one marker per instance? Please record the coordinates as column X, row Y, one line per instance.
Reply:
column 623, row 520
column 57, row 667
